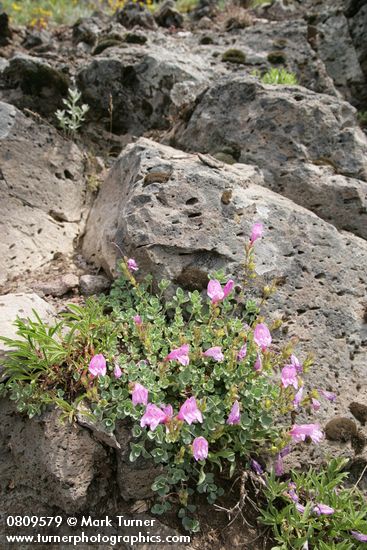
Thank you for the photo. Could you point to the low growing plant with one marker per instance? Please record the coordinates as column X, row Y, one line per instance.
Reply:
column 71, row 119
column 277, row 76
column 316, row 511
column 198, row 378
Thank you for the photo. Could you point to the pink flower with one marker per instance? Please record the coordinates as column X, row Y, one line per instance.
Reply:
column 137, row 320
column 215, row 291
column 180, row 354
column 258, row 363
column 359, row 536
column 132, row 265
column 315, row 404
column 97, row 365
column 242, row 353
column 292, row 492
column 330, row 396
column 235, row 415
column 256, row 467
column 200, row 448
column 256, row 232
column 215, row 353
column 323, row 509
column 298, row 398
column 190, row 412
column 299, row 432
column 296, row 363
column 278, row 466
column 139, row 395
column 152, row 417
column 289, row 376
column 300, row 507
column 168, row 411
column 117, row 372
column 262, row 336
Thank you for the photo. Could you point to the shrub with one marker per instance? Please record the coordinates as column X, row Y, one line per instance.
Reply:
column 199, row 378
column 234, row 56
column 315, row 510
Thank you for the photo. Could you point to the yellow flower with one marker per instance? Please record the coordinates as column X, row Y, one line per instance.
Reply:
column 16, row 7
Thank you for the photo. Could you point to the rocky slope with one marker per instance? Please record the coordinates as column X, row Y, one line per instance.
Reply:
column 206, row 150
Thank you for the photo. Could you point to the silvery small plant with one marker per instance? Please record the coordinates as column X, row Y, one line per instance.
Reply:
column 71, row 118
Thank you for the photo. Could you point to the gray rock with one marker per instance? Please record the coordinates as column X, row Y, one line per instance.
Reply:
column 86, row 30
column 358, row 31
column 93, row 284
column 32, row 83
column 13, row 306
column 307, row 144
column 42, row 193
column 52, row 463
column 335, row 47
column 179, row 227
column 135, row 14
column 168, row 16
column 58, row 286
column 5, row 31
column 134, row 479
column 290, row 41
column 139, row 79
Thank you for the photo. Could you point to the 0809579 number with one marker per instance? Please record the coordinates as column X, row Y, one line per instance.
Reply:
column 33, row 521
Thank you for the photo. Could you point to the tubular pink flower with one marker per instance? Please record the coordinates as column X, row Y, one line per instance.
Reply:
column 278, row 466
column 138, row 320
column 215, row 353
column 180, row 354
column 359, row 536
column 200, row 448
column 292, row 492
column 242, row 353
column 258, row 363
column 299, row 432
column 298, row 398
column 152, row 417
column 329, row 395
column 289, row 376
column 300, row 507
column 215, row 291
column 296, row 363
column 190, row 412
column 168, row 411
column 235, row 415
column 315, row 404
column 228, row 287
column 97, row 365
column 323, row 509
column 256, row 467
column 262, row 336
column 257, row 231
column 139, row 395
column 132, row 265
column 117, row 372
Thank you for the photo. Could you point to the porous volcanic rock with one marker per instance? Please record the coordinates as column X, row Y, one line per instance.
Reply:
column 308, row 145
column 33, row 83
column 50, row 462
column 166, row 208
column 137, row 80
column 42, row 193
